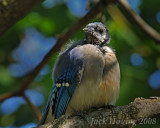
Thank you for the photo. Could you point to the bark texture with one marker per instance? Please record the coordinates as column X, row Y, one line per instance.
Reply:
column 13, row 10
column 141, row 111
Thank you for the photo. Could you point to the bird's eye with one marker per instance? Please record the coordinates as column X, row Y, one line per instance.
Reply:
column 100, row 31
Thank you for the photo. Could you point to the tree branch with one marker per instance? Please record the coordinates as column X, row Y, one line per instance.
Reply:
column 140, row 22
column 7, row 95
column 61, row 41
column 141, row 111
column 13, row 10
column 33, row 108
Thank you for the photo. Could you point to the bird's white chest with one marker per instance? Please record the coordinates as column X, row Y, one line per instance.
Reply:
column 100, row 82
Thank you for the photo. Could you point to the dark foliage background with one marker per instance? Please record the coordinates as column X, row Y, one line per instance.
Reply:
column 23, row 47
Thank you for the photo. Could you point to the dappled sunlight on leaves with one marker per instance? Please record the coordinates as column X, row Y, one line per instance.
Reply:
column 77, row 7
column 134, row 4
column 136, row 60
column 154, row 80
column 158, row 16
column 30, row 52
column 12, row 104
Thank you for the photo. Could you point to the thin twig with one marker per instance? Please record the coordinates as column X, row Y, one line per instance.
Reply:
column 146, row 28
column 8, row 95
column 61, row 41
column 88, row 4
column 33, row 108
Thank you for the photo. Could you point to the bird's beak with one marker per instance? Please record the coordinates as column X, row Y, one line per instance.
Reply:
column 86, row 29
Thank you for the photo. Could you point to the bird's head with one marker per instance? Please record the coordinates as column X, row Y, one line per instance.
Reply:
column 97, row 33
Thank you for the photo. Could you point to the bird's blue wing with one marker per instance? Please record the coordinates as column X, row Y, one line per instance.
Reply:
column 47, row 107
column 63, row 90
column 66, row 85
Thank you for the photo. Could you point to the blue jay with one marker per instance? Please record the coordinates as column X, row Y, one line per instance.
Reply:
column 85, row 75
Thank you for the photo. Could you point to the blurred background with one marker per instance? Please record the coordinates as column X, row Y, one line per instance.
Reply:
column 24, row 46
